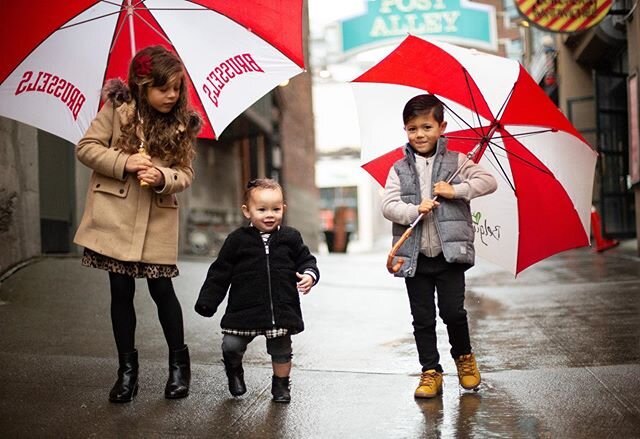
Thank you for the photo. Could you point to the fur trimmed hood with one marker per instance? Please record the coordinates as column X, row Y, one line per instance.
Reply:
column 118, row 93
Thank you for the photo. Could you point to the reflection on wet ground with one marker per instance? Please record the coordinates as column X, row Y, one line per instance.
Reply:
column 558, row 348
column 488, row 413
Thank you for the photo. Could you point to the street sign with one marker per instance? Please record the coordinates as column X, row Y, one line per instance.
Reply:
column 457, row 21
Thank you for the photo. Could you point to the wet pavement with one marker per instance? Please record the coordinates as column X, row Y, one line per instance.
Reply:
column 558, row 348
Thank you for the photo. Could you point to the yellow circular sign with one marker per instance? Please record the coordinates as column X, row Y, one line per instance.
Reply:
column 564, row 15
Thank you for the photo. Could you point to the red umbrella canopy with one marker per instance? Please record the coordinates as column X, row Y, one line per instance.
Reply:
column 57, row 55
column 544, row 167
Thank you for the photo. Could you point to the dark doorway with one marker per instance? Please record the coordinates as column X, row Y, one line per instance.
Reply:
column 616, row 202
column 56, row 168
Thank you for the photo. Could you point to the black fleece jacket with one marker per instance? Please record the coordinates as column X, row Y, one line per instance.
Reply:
column 262, row 288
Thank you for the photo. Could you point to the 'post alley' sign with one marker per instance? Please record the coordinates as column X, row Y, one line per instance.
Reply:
column 564, row 15
column 455, row 21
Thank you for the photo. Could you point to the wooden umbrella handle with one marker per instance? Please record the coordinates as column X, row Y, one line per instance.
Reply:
column 394, row 268
column 141, row 148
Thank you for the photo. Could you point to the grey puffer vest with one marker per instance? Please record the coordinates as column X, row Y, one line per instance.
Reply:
column 452, row 218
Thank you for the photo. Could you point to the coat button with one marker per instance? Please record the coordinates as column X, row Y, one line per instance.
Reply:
column 121, row 191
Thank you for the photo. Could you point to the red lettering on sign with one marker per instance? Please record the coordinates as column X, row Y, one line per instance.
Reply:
column 213, row 98
column 22, row 85
column 220, row 75
column 54, row 82
column 254, row 65
column 241, row 62
column 234, row 66
column 226, row 71
column 53, row 85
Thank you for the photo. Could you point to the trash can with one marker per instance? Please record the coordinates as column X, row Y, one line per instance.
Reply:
column 337, row 244
column 338, row 238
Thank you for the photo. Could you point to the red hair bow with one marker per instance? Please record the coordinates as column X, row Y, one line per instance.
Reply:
column 143, row 65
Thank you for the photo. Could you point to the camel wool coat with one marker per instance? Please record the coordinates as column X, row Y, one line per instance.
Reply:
column 121, row 219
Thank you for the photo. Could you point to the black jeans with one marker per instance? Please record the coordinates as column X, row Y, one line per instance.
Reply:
column 447, row 280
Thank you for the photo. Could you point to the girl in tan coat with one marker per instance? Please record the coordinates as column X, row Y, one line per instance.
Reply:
column 140, row 147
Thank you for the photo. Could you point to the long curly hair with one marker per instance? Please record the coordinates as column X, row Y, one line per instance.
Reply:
column 170, row 136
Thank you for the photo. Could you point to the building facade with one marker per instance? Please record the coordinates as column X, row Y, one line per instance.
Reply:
column 597, row 81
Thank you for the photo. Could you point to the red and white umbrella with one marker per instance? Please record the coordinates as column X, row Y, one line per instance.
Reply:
column 544, row 167
column 56, row 55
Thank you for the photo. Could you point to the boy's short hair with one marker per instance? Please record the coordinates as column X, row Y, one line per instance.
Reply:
column 261, row 183
column 423, row 105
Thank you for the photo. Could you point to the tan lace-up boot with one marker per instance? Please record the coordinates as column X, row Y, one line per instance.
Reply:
column 468, row 372
column 430, row 384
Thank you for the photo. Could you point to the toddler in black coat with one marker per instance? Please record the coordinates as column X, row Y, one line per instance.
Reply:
column 264, row 266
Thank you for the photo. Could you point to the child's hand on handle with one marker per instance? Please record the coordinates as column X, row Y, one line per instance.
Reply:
column 305, row 283
column 444, row 189
column 137, row 162
column 427, row 205
column 152, row 176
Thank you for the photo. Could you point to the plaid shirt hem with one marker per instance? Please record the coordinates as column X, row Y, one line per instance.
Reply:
column 269, row 333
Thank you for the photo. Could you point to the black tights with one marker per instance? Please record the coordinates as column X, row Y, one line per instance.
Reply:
column 123, row 314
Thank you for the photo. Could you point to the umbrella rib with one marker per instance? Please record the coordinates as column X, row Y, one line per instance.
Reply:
column 473, row 101
column 463, row 121
column 179, row 9
column 100, row 16
column 529, row 133
column 117, row 35
column 522, row 159
column 112, row 3
column 497, row 164
column 88, row 20
column 504, row 104
column 153, row 29
column 461, row 137
column 199, row 8
column 510, row 136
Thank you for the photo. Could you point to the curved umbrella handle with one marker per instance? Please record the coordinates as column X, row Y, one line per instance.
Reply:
column 394, row 268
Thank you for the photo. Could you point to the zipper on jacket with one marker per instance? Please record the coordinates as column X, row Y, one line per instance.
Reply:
column 266, row 250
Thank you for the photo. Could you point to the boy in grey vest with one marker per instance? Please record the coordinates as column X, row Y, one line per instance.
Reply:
column 440, row 249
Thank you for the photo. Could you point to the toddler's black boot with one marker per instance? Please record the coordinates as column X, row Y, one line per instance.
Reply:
column 126, row 386
column 280, row 389
column 235, row 375
column 179, row 374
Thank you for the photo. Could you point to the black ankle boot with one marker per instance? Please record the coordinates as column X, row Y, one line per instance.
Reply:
column 179, row 374
column 280, row 389
column 126, row 387
column 235, row 375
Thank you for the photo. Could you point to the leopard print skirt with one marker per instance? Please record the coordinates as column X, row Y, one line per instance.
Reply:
column 133, row 269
